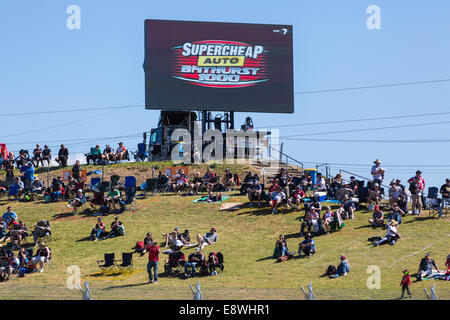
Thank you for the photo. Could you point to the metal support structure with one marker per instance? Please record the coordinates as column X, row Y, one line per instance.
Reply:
column 198, row 295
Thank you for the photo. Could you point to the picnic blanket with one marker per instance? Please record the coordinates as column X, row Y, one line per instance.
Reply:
column 326, row 200
column 230, row 206
column 206, row 198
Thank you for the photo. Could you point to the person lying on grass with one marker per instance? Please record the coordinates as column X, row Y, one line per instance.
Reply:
column 171, row 237
column 343, row 268
column 307, row 246
column 209, row 238
column 392, row 235
column 79, row 200
column 377, row 218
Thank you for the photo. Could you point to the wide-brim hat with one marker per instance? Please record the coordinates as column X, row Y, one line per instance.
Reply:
column 393, row 223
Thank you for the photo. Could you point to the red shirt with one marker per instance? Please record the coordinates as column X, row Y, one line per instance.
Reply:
column 406, row 280
column 153, row 254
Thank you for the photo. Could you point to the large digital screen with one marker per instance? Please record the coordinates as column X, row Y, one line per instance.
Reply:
column 218, row 66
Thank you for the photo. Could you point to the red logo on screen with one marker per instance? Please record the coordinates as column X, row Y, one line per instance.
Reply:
column 220, row 64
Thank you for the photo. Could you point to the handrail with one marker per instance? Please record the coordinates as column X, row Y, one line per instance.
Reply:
column 287, row 157
column 354, row 174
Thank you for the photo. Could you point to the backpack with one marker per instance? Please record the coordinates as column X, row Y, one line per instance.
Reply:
column 330, row 270
column 139, row 245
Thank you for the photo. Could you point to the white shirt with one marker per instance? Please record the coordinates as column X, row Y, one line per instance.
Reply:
column 375, row 168
column 321, row 183
column 391, row 230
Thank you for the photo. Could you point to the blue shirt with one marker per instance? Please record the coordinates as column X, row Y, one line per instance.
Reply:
column 313, row 244
column 7, row 216
column 29, row 173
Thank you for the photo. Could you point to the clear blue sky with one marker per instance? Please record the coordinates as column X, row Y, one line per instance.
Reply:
column 45, row 66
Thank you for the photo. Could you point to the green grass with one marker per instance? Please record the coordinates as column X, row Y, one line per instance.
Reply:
column 246, row 238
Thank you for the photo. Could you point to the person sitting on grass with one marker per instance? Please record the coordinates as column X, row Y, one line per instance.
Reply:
column 76, row 170
column 392, row 235
column 185, row 238
column 120, row 152
column 108, row 154
column 37, row 186
column 3, row 229
column 20, row 186
column 18, row 233
column 37, row 156
column 327, row 219
column 343, row 268
column 377, row 218
column 42, row 256
column 213, row 263
column 171, row 237
column 195, row 259
column 209, row 238
column 228, row 180
column 180, row 181
column 281, row 248
column 395, row 214
column 426, row 267
column 209, row 179
column 349, row 207
column 162, row 181
column 63, row 155
column 56, row 190
column 99, row 231
column 296, row 198
column 148, row 240
column 307, row 246
column 195, row 184
column 9, row 215
column 311, row 218
column 277, row 196
column 117, row 229
column 113, row 198
column 12, row 266
column 46, row 155
column 254, row 191
column 374, row 196
column 79, row 200
column 41, row 229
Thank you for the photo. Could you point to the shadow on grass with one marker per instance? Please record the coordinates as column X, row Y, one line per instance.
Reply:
column 84, row 239
column 126, row 286
column 419, row 219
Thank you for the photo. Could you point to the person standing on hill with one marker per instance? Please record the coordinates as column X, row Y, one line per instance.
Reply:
column 406, row 283
column 377, row 172
column 153, row 259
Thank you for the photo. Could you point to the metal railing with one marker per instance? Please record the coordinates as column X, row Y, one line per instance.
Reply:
column 282, row 154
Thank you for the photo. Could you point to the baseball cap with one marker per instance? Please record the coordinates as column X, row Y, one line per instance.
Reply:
column 213, row 229
column 418, row 171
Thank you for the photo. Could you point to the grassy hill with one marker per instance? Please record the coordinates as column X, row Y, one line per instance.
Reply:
column 246, row 238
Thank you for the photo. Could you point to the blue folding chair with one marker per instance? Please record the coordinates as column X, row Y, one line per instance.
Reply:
column 95, row 181
column 13, row 192
column 130, row 181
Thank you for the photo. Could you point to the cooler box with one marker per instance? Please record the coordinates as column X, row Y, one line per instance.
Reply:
column 322, row 195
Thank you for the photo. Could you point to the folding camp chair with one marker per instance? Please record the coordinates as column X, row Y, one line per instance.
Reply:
column 130, row 192
column 114, row 181
column 152, row 185
column 95, row 181
column 108, row 264
column 13, row 192
column 127, row 262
